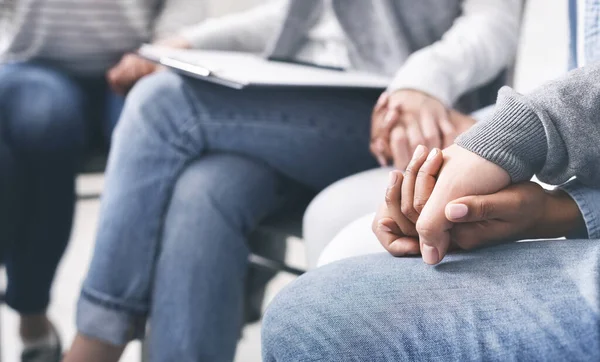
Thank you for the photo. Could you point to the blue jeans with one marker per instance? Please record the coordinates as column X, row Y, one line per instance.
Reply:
column 45, row 116
column 194, row 168
column 535, row 301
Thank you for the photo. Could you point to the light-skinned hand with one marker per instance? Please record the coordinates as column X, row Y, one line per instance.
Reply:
column 407, row 118
column 131, row 68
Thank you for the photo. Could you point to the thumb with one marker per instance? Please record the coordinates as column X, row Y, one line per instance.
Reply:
column 476, row 208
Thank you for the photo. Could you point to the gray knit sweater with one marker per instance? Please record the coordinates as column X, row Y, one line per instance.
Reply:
column 88, row 36
column 552, row 132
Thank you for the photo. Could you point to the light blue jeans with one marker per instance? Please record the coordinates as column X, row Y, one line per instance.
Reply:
column 536, row 301
column 193, row 170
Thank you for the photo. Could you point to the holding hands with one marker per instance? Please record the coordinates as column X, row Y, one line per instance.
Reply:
column 406, row 118
column 459, row 200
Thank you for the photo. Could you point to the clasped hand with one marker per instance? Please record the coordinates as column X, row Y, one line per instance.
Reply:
column 457, row 200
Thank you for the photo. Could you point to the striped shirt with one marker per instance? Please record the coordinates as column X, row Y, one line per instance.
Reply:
column 88, row 36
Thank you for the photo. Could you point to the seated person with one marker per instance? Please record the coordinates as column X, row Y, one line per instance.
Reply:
column 54, row 96
column 518, row 301
column 195, row 167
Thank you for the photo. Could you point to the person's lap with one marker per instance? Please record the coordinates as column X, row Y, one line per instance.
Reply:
column 312, row 138
column 519, row 301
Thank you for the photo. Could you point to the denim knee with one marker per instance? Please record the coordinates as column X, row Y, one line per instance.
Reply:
column 159, row 104
column 42, row 109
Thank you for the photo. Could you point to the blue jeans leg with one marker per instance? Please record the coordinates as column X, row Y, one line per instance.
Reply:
column 42, row 124
column 534, row 301
column 196, row 312
column 169, row 121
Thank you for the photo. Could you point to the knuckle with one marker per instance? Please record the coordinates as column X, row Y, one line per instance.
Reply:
column 398, row 135
column 419, row 204
column 388, row 198
column 407, row 210
column 484, row 209
column 425, row 228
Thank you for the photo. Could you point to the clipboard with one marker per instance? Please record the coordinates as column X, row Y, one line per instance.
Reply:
column 239, row 70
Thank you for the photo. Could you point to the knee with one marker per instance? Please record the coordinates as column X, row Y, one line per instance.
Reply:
column 339, row 205
column 158, row 103
column 43, row 109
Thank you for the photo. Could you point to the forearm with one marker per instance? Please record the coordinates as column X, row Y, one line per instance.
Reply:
column 552, row 132
column 247, row 31
column 481, row 43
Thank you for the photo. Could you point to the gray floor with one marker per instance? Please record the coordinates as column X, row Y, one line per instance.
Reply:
column 543, row 57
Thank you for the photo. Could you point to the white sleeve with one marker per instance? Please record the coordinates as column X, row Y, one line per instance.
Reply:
column 481, row 43
column 248, row 30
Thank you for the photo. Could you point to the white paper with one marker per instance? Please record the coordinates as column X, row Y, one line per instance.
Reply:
column 251, row 69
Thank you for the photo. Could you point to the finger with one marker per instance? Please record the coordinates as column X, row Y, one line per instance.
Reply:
column 430, row 129
column 413, row 132
column 408, row 185
column 392, row 242
column 399, row 147
column 382, row 101
column 483, row 207
column 392, row 200
column 390, row 120
column 426, row 178
column 449, row 131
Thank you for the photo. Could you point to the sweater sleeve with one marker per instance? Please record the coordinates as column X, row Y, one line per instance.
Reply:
column 248, row 31
column 481, row 43
column 553, row 132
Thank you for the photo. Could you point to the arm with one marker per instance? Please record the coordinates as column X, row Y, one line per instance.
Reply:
column 552, row 132
column 248, row 31
column 481, row 43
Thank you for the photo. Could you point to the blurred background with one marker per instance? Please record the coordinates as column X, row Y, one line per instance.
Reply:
column 542, row 56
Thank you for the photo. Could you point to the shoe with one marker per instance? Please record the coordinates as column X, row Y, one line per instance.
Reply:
column 44, row 352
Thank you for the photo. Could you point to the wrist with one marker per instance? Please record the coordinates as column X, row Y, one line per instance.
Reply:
column 561, row 216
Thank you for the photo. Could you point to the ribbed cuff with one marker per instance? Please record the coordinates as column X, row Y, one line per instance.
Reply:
column 514, row 138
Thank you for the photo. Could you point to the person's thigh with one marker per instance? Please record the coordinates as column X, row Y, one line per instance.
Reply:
column 200, row 276
column 519, row 301
column 340, row 204
column 42, row 109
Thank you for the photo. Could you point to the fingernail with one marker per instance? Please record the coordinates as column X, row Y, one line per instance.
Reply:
column 384, row 228
column 457, row 211
column 418, row 151
column 432, row 154
column 430, row 254
column 382, row 161
column 393, row 178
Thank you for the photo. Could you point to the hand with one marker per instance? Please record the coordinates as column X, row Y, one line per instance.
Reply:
column 123, row 76
column 463, row 174
column 128, row 71
column 394, row 223
column 406, row 118
column 521, row 211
